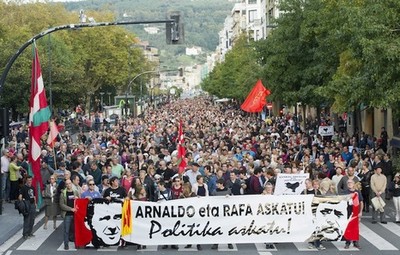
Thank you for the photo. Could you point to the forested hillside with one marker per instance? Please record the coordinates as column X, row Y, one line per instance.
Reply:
column 203, row 19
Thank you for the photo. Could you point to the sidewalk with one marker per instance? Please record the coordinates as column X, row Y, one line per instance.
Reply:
column 10, row 222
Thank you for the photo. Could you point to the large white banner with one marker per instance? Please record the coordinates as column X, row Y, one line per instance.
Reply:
column 290, row 184
column 213, row 220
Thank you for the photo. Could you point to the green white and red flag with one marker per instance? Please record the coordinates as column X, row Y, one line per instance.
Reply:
column 38, row 120
column 181, row 150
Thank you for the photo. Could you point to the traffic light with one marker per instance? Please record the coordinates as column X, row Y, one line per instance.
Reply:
column 174, row 30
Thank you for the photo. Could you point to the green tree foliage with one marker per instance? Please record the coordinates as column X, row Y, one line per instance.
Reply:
column 236, row 76
column 369, row 54
column 291, row 65
column 323, row 53
column 336, row 52
column 78, row 62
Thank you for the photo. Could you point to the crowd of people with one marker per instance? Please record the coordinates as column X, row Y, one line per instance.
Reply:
column 228, row 152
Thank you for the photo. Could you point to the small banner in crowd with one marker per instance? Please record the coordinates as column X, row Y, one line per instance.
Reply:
column 290, row 184
column 326, row 130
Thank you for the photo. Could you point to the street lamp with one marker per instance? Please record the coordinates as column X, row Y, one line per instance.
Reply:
column 109, row 98
column 101, row 101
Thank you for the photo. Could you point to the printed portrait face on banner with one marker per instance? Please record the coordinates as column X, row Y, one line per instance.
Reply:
column 331, row 220
column 105, row 222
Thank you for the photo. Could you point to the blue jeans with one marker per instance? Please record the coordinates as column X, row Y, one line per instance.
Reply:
column 5, row 186
column 68, row 221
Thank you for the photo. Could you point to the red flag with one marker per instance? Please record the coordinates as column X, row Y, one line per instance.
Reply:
column 181, row 150
column 83, row 235
column 352, row 232
column 38, row 119
column 52, row 134
column 255, row 101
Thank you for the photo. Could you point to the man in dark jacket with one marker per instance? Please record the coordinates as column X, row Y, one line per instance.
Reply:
column 256, row 183
column 27, row 193
column 233, row 183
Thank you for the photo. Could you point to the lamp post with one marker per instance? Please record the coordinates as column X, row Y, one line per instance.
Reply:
column 101, row 101
column 109, row 98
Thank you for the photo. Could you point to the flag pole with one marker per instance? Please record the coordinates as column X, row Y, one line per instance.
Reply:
column 55, row 158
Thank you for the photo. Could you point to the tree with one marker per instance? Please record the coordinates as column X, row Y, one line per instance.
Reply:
column 235, row 77
column 81, row 61
column 291, row 65
column 370, row 52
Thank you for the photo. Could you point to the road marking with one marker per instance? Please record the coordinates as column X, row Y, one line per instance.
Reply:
column 392, row 227
column 11, row 241
column 150, row 248
column 192, row 248
column 71, row 247
column 264, row 253
column 340, row 246
column 262, row 248
column 224, row 247
column 8, row 252
column 304, row 247
column 33, row 243
column 108, row 248
column 380, row 243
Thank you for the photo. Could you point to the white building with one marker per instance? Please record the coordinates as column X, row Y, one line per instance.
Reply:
column 254, row 12
column 247, row 16
column 193, row 51
column 272, row 13
column 152, row 30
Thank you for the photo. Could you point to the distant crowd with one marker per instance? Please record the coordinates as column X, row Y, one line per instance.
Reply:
column 228, row 152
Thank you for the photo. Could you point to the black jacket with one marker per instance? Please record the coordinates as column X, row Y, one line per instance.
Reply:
column 22, row 206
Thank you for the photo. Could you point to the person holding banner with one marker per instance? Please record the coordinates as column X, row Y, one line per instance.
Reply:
column 310, row 190
column 115, row 192
column 199, row 187
column 268, row 190
column 67, row 198
column 222, row 191
column 354, row 214
column 176, row 188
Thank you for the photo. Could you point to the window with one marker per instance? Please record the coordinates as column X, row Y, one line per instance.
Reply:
column 252, row 1
column 252, row 15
